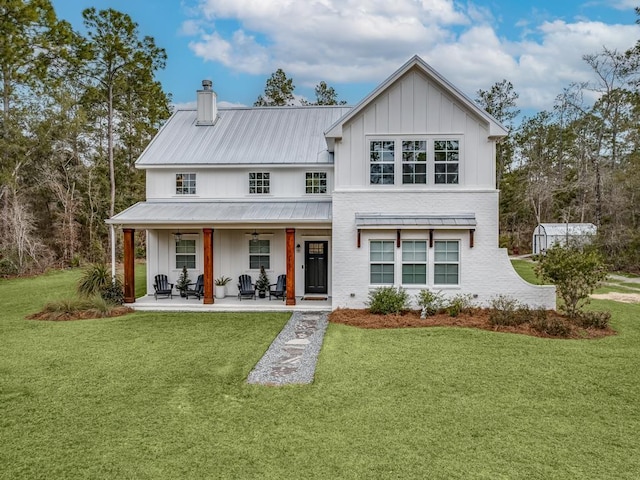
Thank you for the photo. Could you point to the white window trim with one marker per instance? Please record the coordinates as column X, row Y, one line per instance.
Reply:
column 186, row 236
column 430, row 139
column 326, row 180
column 458, row 263
column 270, row 192
column 270, row 254
column 414, row 262
column 195, row 184
column 391, row 262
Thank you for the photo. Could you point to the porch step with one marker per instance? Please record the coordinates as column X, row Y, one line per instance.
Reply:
column 306, row 297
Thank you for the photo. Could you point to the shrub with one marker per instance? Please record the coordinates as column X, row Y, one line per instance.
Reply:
column 183, row 280
column 575, row 272
column 94, row 279
column 458, row 304
column 8, row 268
column 430, row 302
column 263, row 282
column 507, row 311
column 386, row 300
column 598, row 320
column 551, row 325
column 113, row 293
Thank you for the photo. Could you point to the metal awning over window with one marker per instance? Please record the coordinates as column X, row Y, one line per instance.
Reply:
column 417, row 220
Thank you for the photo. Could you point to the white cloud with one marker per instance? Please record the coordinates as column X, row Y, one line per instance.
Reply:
column 624, row 4
column 343, row 41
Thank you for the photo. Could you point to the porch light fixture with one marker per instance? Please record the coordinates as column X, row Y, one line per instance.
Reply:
column 178, row 236
column 255, row 235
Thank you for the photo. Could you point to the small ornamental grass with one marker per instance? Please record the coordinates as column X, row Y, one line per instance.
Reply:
column 79, row 308
column 388, row 300
column 97, row 280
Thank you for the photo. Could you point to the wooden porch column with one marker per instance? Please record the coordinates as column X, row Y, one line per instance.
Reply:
column 129, row 265
column 291, row 266
column 208, row 265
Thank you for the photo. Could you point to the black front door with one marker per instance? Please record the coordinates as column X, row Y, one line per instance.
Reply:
column 315, row 266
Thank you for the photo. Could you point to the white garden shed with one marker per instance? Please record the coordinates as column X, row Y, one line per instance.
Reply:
column 546, row 235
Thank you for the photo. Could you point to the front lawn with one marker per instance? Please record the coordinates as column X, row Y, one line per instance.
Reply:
column 151, row 396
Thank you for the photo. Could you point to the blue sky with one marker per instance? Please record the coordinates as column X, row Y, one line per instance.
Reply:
column 355, row 44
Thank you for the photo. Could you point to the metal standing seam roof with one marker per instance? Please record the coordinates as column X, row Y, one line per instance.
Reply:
column 150, row 213
column 571, row 229
column 263, row 135
column 415, row 219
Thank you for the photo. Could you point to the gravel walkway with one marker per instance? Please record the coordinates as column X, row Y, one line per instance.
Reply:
column 292, row 356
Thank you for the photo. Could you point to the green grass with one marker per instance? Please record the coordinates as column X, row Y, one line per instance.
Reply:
column 152, row 396
column 525, row 270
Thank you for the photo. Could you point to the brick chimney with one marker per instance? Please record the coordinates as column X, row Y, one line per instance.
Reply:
column 207, row 109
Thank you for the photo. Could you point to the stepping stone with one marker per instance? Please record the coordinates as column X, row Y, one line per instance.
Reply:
column 292, row 356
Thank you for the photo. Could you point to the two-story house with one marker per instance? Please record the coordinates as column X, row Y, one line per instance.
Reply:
column 398, row 190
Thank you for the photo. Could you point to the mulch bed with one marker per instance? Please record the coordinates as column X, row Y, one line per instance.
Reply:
column 80, row 315
column 478, row 318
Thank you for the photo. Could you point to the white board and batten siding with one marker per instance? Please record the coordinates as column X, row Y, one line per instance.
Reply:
column 415, row 108
column 225, row 183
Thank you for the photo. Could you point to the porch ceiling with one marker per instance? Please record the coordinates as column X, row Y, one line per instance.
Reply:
column 207, row 213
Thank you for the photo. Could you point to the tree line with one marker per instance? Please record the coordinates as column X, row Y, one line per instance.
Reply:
column 78, row 110
column 577, row 162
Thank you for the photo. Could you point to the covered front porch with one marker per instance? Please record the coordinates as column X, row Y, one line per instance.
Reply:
column 218, row 240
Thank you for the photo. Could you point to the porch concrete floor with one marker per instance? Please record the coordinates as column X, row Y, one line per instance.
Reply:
column 227, row 304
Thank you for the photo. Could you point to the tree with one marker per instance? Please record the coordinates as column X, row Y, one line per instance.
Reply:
column 575, row 272
column 119, row 63
column 33, row 58
column 278, row 91
column 120, row 69
column 500, row 102
column 326, row 95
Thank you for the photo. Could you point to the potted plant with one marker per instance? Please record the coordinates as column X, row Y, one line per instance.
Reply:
column 262, row 284
column 183, row 282
column 221, row 283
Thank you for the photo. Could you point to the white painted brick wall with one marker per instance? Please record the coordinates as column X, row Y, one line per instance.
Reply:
column 485, row 269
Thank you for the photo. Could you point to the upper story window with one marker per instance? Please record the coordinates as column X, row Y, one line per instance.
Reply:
column 446, row 160
column 316, row 182
column 185, row 183
column 422, row 161
column 382, row 162
column 259, row 182
column 414, row 161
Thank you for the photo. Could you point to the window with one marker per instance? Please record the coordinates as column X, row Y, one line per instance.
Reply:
column 316, row 182
column 446, row 161
column 185, row 253
column 382, row 160
column 381, row 253
column 414, row 262
column 414, row 162
column 259, row 182
column 185, row 183
column 259, row 254
column 446, row 262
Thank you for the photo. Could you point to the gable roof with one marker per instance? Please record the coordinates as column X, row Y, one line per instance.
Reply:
column 496, row 130
column 244, row 136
